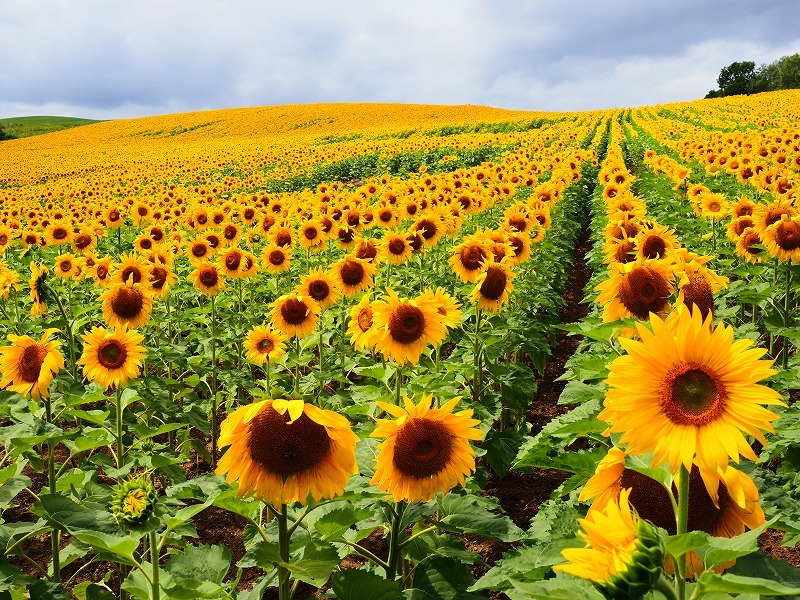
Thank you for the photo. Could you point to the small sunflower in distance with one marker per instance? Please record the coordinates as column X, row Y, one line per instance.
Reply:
column 284, row 451
column 112, row 358
column 425, row 450
column 28, row 366
column 404, row 327
column 264, row 344
column 687, row 392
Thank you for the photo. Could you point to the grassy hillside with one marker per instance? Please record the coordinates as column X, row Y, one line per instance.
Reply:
column 22, row 127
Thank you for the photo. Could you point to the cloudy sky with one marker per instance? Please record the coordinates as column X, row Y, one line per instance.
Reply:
column 107, row 59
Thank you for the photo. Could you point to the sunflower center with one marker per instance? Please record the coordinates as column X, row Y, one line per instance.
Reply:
column 698, row 292
column 397, row 246
column 366, row 251
column 518, row 223
column 265, row 345
column 364, row 319
column 277, row 257
column 199, row 250
column 310, row 233
column 352, row 273
column 624, row 253
column 287, row 449
column 472, row 257
column 653, row 247
column 294, row 311
column 112, row 354
column 229, row 233
column 787, row 235
column 494, row 285
column 127, row 303
column 30, row 362
column 284, row 238
column 692, row 396
column 643, row 291
column 423, row 448
column 427, row 228
column 158, row 277
column 133, row 273
column 82, row 241
column 319, row 290
column 208, row 277
column 65, row 266
column 407, row 324
column 102, row 271
column 59, row 233
column 233, row 260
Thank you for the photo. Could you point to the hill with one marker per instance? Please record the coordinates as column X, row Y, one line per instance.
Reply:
column 22, row 127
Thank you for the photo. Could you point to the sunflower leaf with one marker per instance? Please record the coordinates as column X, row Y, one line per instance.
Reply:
column 738, row 584
column 462, row 514
column 357, row 584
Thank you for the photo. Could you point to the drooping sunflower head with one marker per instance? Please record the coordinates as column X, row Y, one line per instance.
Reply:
column 687, row 392
column 38, row 289
column 404, row 327
column 493, row 286
column 28, row 366
column 285, row 451
column 426, row 450
column 264, row 345
column 112, row 358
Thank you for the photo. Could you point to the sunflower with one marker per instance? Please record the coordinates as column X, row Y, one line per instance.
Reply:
column 687, row 392
column 264, row 344
column 322, row 287
column 101, row 271
column 126, row 304
column 623, row 553
column 57, row 233
column 722, row 504
column 276, row 259
column 635, row 290
column 713, row 206
column 9, row 280
column 737, row 226
column 394, row 248
column 312, row 236
column 750, row 247
column 697, row 286
column 84, row 241
column 199, row 251
column 367, row 251
column 231, row 233
column 782, row 239
column 361, row 330
column 493, row 286
column 284, row 451
column 520, row 245
column 207, row 279
column 425, row 450
column 655, row 243
column 160, row 279
column 743, row 207
column 113, row 218
column 38, row 292
column 448, row 307
column 404, row 327
column 66, row 266
column 132, row 268
column 28, row 366
column 295, row 315
column 112, row 358
column 469, row 259
column 231, row 263
column 353, row 275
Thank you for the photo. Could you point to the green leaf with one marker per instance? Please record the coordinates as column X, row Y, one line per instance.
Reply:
column 96, row 592
column 198, row 564
column 501, row 449
column 528, row 563
column 318, row 562
column 10, row 488
column 463, row 515
column 444, row 579
column 761, row 565
column 560, row 588
column 335, row 523
column 357, row 584
column 738, row 584
column 722, row 550
column 263, row 554
column 678, row 545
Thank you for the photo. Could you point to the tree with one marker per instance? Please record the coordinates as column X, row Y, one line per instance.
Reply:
column 737, row 78
column 788, row 69
column 4, row 135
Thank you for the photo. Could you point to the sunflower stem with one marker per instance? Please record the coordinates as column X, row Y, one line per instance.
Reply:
column 395, row 546
column 214, row 424
column 55, row 535
column 398, row 380
column 297, row 367
column 156, row 588
column 120, row 443
column 70, row 337
column 284, row 539
column 682, row 520
column 478, row 367
column 786, row 315
column 664, row 586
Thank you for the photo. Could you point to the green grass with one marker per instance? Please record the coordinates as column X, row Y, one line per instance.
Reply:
column 20, row 127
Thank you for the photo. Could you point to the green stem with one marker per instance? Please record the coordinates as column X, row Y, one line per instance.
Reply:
column 395, row 545
column 664, row 586
column 682, row 520
column 297, row 367
column 214, row 424
column 120, row 443
column 786, row 315
column 418, row 534
column 284, row 539
column 365, row 553
column 156, row 594
column 55, row 535
column 70, row 337
column 398, row 379
column 477, row 366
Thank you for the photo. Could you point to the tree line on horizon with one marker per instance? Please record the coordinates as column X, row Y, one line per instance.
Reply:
column 743, row 77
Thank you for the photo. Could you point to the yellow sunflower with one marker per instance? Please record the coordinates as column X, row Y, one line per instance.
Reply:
column 655, row 243
column 425, row 450
column 469, row 259
column 131, row 269
column 66, row 266
column 404, row 327
column 207, row 279
column 264, row 344
column 353, row 275
column 276, row 259
column 321, row 286
column 38, row 292
column 28, row 366
column 295, row 315
column 126, row 304
column 284, row 451
column 361, row 328
column 750, row 247
column 493, row 286
column 782, row 239
column 635, row 290
column 394, row 248
column 448, row 307
column 686, row 393
column 112, row 358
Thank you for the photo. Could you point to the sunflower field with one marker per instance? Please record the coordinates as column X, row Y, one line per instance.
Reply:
column 403, row 352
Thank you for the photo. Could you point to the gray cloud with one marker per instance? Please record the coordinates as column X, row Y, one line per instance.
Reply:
column 110, row 58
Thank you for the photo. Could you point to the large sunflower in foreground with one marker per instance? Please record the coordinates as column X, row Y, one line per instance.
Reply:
column 688, row 392
column 112, row 357
column 426, row 450
column 127, row 304
column 28, row 366
column 284, row 451
column 404, row 327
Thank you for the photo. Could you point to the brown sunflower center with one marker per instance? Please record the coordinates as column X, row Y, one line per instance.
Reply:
column 643, row 291
column 265, row 345
column 287, row 449
column 284, row 238
column 406, row 324
column 310, row 233
column 232, row 260
column 397, row 246
column 65, row 266
column 199, row 250
column 294, row 311
column 277, row 258
column 158, row 277
column 625, row 251
column 518, row 223
column 352, row 273
column 365, row 319
column 472, row 257
column 319, row 290
column 30, row 362
column 82, row 241
column 102, row 271
column 494, row 285
column 654, row 247
column 385, row 215
column 366, row 251
column 229, row 233
column 133, row 273
column 741, row 224
column 787, row 235
column 346, row 235
column 127, row 303
column 60, row 233
column 698, row 293
column 690, row 395
column 208, row 277
column 112, row 354
column 423, row 448
column 427, row 228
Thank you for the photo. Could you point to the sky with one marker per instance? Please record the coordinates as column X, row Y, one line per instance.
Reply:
column 107, row 59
